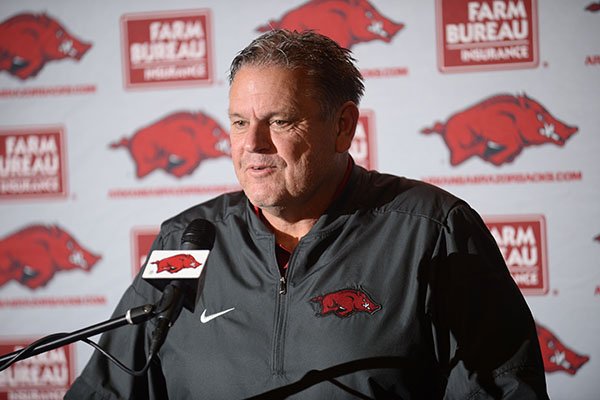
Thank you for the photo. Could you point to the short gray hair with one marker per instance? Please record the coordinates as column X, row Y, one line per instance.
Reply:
column 330, row 66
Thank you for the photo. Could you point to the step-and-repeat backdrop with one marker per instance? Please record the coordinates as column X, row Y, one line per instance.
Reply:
column 113, row 117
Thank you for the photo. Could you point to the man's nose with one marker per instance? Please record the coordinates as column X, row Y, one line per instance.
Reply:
column 258, row 139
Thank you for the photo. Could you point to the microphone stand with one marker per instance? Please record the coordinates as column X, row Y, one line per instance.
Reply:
column 133, row 316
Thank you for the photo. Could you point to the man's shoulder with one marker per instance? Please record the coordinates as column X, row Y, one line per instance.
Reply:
column 387, row 193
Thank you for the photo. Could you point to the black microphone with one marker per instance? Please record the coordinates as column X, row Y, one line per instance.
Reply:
column 184, row 278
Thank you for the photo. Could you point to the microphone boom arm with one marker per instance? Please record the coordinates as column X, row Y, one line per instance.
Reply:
column 133, row 316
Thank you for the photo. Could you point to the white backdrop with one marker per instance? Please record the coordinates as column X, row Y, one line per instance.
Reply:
column 535, row 181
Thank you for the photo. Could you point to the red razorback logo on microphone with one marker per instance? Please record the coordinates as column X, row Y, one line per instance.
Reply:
column 557, row 356
column 34, row 254
column 28, row 41
column 176, row 263
column 346, row 302
column 176, row 144
column 498, row 128
column 348, row 22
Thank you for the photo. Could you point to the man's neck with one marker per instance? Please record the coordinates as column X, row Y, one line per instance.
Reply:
column 289, row 234
column 290, row 226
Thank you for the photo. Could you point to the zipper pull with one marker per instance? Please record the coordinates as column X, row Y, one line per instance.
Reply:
column 282, row 285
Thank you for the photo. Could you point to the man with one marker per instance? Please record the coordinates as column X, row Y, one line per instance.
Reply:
column 327, row 281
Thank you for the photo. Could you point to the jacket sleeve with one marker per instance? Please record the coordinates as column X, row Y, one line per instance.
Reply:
column 101, row 379
column 484, row 334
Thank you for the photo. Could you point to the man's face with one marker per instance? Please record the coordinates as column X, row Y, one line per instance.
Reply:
column 283, row 150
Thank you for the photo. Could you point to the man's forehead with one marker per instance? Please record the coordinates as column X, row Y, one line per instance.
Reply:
column 275, row 85
column 247, row 109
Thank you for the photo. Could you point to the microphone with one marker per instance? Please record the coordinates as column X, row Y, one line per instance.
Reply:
column 178, row 274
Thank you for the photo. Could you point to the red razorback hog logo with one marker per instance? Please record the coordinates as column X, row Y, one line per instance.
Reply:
column 498, row 128
column 348, row 22
column 176, row 263
column 176, row 144
column 34, row 254
column 557, row 356
column 593, row 7
column 28, row 41
column 346, row 302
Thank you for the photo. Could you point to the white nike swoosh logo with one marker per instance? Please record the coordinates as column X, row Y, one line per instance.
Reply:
column 205, row 318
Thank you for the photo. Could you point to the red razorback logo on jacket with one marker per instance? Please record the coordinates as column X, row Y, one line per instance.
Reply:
column 498, row 128
column 557, row 356
column 346, row 302
column 34, row 254
column 176, row 144
column 176, row 263
column 28, row 41
column 348, row 22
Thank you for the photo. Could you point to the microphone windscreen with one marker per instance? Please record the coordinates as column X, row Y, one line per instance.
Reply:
column 198, row 235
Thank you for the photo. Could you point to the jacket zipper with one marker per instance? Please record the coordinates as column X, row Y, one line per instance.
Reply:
column 282, row 285
column 280, row 323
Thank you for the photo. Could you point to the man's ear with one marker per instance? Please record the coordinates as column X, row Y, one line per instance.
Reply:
column 346, row 126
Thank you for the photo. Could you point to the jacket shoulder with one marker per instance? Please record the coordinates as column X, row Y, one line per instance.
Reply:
column 386, row 193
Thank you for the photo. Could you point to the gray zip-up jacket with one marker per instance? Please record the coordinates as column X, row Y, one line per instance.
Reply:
column 397, row 292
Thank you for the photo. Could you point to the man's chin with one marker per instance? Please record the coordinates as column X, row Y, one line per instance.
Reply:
column 261, row 200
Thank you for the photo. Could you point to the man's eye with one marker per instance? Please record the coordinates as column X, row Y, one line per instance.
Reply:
column 238, row 124
column 280, row 123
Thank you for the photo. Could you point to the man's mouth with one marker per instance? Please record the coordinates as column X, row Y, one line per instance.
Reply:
column 258, row 169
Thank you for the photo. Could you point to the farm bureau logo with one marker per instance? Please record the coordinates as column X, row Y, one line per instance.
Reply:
column 167, row 48
column 44, row 376
column 486, row 35
column 177, row 144
column 593, row 59
column 522, row 242
column 498, row 128
column 347, row 22
column 363, row 148
column 32, row 163
column 28, row 41
column 34, row 254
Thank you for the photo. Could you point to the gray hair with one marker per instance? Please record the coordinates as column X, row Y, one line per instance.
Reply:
column 329, row 66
